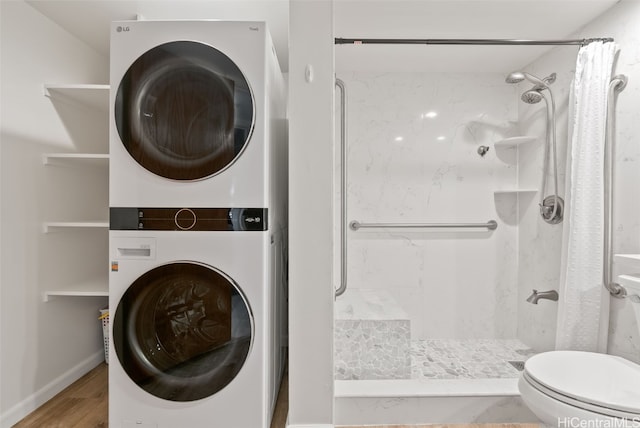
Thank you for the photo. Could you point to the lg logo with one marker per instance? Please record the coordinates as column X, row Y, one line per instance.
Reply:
column 120, row 29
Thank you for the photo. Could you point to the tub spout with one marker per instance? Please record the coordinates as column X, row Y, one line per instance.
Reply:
column 537, row 295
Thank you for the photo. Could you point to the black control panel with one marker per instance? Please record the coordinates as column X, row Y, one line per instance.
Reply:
column 188, row 219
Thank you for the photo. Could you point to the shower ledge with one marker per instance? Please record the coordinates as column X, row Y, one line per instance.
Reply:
column 368, row 304
column 372, row 336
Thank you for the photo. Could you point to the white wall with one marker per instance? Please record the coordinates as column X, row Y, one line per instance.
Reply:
column 310, row 213
column 539, row 253
column 405, row 167
column 540, row 244
column 45, row 345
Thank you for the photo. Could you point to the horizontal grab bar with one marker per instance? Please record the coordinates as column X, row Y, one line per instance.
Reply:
column 356, row 225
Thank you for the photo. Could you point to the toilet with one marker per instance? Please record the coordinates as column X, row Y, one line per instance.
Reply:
column 568, row 389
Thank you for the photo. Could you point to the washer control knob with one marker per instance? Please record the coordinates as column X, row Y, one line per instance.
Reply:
column 185, row 219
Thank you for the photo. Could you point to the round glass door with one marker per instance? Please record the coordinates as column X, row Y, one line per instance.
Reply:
column 184, row 111
column 182, row 331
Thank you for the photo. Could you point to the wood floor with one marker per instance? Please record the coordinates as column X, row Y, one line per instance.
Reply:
column 84, row 404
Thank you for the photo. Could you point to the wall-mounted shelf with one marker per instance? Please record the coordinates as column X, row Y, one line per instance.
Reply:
column 514, row 192
column 97, row 288
column 94, row 96
column 49, row 158
column 631, row 260
column 513, row 142
column 51, row 226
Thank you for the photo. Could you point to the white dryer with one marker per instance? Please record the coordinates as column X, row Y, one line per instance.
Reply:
column 194, row 319
column 197, row 115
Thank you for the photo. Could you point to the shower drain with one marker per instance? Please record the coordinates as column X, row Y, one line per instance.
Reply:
column 518, row 365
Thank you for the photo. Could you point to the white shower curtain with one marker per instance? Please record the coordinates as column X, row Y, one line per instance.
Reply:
column 583, row 310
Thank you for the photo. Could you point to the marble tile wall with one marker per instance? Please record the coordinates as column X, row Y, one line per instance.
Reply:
column 413, row 141
column 539, row 244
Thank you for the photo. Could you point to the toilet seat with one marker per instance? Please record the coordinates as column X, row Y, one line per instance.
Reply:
column 599, row 383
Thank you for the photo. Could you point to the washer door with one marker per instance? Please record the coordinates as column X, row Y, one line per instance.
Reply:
column 184, row 111
column 183, row 331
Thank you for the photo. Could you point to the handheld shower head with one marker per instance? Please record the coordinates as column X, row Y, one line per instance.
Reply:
column 551, row 208
column 515, row 77
column 532, row 96
column 519, row 76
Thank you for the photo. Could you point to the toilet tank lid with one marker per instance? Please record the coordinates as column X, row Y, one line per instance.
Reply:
column 600, row 379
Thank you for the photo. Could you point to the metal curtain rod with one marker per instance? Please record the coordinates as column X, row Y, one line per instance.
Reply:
column 503, row 42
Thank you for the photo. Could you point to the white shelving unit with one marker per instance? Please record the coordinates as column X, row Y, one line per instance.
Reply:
column 94, row 288
column 92, row 96
column 51, row 226
column 50, row 158
column 514, row 142
column 96, row 98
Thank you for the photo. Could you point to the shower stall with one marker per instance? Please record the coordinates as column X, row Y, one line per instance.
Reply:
column 449, row 192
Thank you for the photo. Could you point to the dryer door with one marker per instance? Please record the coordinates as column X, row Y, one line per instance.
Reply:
column 184, row 111
column 183, row 331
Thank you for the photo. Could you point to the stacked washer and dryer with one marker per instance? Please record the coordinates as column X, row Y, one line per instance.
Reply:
column 197, row 225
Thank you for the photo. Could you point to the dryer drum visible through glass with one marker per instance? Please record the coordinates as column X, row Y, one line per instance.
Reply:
column 184, row 111
column 182, row 331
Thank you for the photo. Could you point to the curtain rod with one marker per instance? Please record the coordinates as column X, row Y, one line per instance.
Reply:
column 504, row 42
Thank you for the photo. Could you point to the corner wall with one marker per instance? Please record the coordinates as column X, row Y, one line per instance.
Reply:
column 44, row 346
column 538, row 323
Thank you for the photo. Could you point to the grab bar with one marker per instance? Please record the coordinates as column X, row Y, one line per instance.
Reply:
column 356, row 225
column 616, row 290
column 343, row 188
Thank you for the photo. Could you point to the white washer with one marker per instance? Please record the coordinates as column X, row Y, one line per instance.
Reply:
column 197, row 115
column 193, row 322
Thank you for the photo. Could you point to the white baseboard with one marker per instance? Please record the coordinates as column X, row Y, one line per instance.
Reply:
column 38, row 398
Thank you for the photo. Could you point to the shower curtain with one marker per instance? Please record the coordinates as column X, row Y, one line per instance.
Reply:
column 583, row 310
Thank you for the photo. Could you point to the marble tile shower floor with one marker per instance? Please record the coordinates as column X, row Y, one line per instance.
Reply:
column 467, row 359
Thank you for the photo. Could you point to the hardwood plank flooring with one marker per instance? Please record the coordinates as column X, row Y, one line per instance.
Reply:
column 81, row 405
column 281, row 411
column 84, row 404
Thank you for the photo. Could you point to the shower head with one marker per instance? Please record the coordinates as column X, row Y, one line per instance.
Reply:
column 519, row 76
column 515, row 77
column 532, row 96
